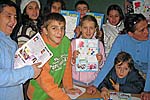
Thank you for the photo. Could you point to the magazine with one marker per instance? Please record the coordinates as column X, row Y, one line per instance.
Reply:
column 99, row 17
column 72, row 20
column 33, row 51
column 86, row 60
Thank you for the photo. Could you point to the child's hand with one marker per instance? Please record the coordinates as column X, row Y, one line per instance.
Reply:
column 77, row 31
column 91, row 90
column 99, row 57
column 36, row 69
column 105, row 93
column 75, row 55
column 73, row 91
column 116, row 87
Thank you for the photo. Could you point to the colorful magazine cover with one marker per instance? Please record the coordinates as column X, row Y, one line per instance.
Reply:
column 99, row 17
column 33, row 51
column 140, row 6
column 72, row 20
column 86, row 60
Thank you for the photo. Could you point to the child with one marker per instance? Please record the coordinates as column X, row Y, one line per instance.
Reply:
column 30, row 10
column 123, row 77
column 11, row 79
column 54, row 6
column 113, row 26
column 82, row 7
column 58, row 68
column 88, row 28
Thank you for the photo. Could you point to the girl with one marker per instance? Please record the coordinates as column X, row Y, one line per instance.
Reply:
column 113, row 26
column 54, row 6
column 123, row 77
column 88, row 27
column 30, row 10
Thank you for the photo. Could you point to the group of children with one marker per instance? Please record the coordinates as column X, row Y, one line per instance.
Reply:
column 61, row 67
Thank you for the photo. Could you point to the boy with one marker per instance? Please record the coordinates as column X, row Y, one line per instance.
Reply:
column 58, row 68
column 123, row 77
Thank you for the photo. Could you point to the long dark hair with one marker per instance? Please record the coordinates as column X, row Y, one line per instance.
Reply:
column 131, row 21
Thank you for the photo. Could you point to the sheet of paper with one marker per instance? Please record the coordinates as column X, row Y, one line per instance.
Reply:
column 76, row 95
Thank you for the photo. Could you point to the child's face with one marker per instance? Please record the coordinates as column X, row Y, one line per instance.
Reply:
column 56, row 7
column 114, row 17
column 55, row 32
column 88, row 29
column 122, row 70
column 32, row 10
column 82, row 9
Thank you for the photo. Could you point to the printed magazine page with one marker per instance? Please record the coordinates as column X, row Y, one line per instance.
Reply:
column 72, row 20
column 86, row 60
column 33, row 51
column 99, row 17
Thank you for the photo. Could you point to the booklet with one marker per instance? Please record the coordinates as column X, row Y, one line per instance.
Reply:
column 33, row 51
column 99, row 17
column 86, row 60
column 72, row 20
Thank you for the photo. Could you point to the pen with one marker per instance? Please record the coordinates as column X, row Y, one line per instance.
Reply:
column 113, row 83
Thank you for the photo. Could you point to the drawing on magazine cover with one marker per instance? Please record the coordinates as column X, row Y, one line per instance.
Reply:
column 86, row 60
column 72, row 20
column 33, row 51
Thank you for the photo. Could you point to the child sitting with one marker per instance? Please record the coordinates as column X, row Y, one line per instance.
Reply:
column 123, row 77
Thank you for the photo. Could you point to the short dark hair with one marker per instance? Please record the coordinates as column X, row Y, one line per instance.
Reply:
column 116, row 7
column 52, row 16
column 4, row 3
column 81, row 2
column 131, row 21
column 124, row 57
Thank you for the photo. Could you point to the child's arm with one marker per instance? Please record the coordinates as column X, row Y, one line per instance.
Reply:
column 46, row 82
column 67, row 79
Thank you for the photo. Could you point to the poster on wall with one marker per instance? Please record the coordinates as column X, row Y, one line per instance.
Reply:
column 140, row 6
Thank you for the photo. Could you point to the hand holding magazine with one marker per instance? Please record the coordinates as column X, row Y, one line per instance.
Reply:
column 33, row 51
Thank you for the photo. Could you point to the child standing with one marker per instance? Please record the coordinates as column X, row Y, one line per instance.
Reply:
column 88, row 27
column 31, row 21
column 58, row 68
column 54, row 6
column 113, row 26
column 123, row 77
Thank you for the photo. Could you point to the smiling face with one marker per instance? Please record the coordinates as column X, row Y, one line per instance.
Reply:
column 88, row 29
column 122, row 70
column 32, row 10
column 55, row 31
column 8, row 20
column 113, row 17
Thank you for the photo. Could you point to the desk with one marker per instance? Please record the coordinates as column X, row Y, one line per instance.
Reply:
column 97, row 95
